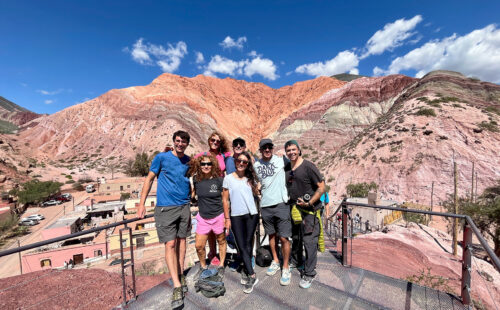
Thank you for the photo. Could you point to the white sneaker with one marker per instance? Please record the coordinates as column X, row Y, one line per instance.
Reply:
column 273, row 268
column 286, row 276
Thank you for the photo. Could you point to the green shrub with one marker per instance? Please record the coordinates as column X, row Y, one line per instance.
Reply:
column 78, row 186
column 124, row 196
column 491, row 126
column 360, row 189
column 425, row 112
column 70, row 182
column 493, row 109
column 36, row 191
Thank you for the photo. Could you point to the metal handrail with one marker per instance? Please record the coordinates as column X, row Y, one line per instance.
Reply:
column 469, row 228
column 484, row 243
column 65, row 237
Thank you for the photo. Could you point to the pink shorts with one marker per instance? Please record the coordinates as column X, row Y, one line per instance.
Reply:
column 204, row 226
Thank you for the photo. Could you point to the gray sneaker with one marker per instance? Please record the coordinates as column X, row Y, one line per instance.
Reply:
column 244, row 278
column 250, row 284
column 177, row 298
column 306, row 282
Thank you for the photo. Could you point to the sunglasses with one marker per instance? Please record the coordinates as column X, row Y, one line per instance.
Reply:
column 206, row 164
column 214, row 140
column 241, row 162
column 267, row 147
column 239, row 144
column 291, row 177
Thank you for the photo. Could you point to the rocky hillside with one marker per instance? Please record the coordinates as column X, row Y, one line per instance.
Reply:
column 443, row 116
column 124, row 121
column 12, row 116
column 340, row 114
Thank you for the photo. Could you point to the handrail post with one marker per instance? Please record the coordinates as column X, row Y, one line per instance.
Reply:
column 466, row 264
column 344, row 231
column 124, row 285
column 132, row 266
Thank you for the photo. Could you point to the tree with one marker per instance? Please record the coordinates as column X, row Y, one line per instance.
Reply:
column 139, row 166
column 485, row 212
column 111, row 167
column 35, row 191
column 360, row 189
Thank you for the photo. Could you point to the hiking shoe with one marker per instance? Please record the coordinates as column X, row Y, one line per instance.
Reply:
column 306, row 282
column 286, row 276
column 250, row 284
column 220, row 271
column 198, row 273
column 177, row 298
column 273, row 268
column 182, row 279
column 244, row 278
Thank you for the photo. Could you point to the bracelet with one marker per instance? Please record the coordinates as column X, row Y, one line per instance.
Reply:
column 227, row 218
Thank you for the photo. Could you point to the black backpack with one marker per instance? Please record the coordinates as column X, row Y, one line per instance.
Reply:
column 263, row 256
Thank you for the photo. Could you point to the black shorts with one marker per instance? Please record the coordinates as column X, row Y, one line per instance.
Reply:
column 173, row 222
column 276, row 220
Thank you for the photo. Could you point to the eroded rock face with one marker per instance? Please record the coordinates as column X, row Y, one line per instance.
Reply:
column 340, row 114
column 407, row 148
column 124, row 121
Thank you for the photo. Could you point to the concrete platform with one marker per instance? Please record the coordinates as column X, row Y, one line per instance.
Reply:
column 335, row 287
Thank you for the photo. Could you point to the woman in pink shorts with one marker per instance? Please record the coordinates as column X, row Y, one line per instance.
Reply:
column 207, row 184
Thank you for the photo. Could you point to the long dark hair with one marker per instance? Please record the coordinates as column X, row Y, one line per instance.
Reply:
column 250, row 173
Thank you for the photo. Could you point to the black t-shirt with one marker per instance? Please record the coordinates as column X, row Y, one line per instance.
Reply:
column 209, row 197
column 301, row 181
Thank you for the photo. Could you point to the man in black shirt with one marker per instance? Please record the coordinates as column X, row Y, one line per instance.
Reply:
column 305, row 186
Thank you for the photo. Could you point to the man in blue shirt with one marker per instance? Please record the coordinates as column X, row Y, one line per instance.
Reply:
column 172, row 214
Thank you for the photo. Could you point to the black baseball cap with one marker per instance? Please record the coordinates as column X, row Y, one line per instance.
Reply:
column 265, row 142
column 239, row 140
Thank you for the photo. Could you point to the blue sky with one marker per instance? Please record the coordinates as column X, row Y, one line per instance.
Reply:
column 54, row 54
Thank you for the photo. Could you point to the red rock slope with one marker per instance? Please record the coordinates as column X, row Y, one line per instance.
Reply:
column 124, row 121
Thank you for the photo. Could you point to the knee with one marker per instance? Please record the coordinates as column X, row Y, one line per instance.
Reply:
column 170, row 244
column 221, row 239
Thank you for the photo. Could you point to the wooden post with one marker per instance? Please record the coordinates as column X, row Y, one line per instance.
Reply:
column 455, row 209
column 20, row 261
column 472, row 185
column 432, row 198
column 476, row 187
column 106, row 236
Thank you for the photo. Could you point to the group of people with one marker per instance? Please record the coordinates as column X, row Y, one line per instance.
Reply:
column 232, row 190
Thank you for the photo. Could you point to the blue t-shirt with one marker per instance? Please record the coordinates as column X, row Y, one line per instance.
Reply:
column 230, row 166
column 173, row 184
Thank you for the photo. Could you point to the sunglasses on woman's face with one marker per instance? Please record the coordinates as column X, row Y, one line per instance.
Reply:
column 241, row 162
column 213, row 140
column 209, row 164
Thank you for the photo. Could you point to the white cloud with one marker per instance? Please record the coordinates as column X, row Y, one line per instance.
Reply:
column 230, row 42
column 220, row 64
column 344, row 61
column 264, row 67
column 48, row 101
column 391, row 36
column 199, row 58
column 51, row 93
column 167, row 58
column 254, row 54
column 354, row 71
column 474, row 54
column 248, row 67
